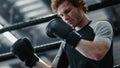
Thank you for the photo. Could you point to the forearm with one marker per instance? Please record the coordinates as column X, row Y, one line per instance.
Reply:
column 42, row 64
column 93, row 50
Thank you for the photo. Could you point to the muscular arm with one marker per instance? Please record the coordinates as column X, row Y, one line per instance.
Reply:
column 97, row 48
column 93, row 50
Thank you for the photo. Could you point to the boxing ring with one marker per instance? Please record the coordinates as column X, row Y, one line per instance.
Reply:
column 53, row 45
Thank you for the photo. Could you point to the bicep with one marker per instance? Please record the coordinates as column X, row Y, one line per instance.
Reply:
column 104, row 33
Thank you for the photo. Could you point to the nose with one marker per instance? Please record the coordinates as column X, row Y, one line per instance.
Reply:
column 65, row 17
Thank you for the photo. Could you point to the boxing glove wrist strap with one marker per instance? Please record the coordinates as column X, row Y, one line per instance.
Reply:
column 30, row 62
column 73, row 38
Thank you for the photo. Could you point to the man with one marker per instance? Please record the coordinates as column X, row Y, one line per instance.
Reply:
column 87, row 43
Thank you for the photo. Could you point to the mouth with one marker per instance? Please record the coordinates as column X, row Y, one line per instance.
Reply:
column 70, row 23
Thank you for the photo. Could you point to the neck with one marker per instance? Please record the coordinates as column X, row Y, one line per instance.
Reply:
column 84, row 21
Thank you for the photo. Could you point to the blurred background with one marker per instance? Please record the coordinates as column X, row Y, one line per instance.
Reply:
column 17, row 11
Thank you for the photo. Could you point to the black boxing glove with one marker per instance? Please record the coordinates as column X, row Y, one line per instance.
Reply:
column 23, row 49
column 49, row 32
column 57, row 27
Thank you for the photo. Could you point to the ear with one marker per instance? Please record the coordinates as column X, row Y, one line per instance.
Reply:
column 80, row 8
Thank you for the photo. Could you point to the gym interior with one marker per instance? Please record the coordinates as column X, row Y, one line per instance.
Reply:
column 14, row 12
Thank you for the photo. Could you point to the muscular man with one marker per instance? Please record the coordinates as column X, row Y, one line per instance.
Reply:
column 87, row 43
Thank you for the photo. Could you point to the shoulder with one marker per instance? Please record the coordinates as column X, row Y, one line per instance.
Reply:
column 103, row 31
column 101, row 25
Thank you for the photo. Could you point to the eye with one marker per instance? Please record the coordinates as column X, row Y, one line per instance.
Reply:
column 67, row 11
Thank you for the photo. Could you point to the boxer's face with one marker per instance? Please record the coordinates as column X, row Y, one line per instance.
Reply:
column 70, row 14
